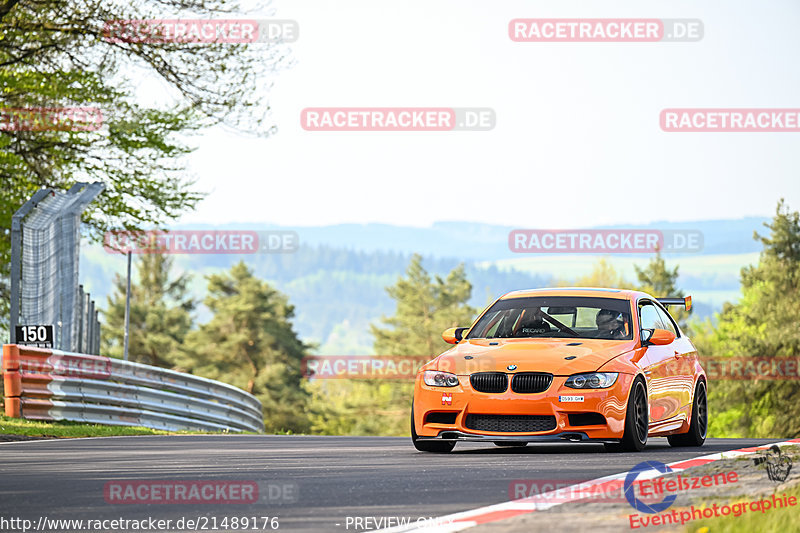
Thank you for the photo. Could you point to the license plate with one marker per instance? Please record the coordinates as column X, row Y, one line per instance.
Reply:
column 570, row 398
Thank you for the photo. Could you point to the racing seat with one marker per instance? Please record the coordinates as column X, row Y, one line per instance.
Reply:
column 532, row 325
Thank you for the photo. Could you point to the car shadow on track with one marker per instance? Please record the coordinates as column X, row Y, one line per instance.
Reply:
column 656, row 446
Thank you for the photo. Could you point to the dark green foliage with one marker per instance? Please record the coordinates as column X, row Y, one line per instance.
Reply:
column 764, row 323
column 250, row 343
column 657, row 280
column 425, row 307
column 53, row 54
column 160, row 314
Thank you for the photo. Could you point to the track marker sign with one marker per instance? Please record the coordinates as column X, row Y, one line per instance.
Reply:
column 39, row 336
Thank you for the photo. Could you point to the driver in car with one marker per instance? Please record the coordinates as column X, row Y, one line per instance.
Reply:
column 610, row 324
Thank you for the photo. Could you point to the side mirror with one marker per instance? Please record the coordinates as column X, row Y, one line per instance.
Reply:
column 453, row 335
column 659, row 337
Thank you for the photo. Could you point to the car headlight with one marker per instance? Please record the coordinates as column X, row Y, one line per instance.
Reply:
column 435, row 378
column 593, row 380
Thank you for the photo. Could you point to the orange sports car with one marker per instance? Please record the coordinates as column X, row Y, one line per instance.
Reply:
column 571, row 364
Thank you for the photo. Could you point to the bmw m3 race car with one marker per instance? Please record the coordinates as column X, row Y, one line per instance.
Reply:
column 565, row 364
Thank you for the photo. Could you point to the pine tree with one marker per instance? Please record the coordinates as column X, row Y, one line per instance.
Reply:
column 657, row 280
column 160, row 313
column 426, row 306
column 250, row 343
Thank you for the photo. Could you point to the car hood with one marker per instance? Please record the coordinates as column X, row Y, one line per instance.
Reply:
column 531, row 355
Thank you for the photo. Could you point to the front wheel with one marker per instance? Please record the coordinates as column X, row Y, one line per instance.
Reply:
column 698, row 427
column 634, row 439
column 428, row 445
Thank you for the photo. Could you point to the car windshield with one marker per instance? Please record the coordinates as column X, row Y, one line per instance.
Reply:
column 556, row 316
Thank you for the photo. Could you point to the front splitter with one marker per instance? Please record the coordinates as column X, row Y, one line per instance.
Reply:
column 570, row 436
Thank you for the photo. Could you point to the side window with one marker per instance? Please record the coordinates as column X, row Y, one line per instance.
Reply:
column 586, row 317
column 648, row 316
column 666, row 320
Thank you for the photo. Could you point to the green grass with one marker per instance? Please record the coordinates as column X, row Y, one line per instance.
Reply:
column 35, row 428
column 783, row 520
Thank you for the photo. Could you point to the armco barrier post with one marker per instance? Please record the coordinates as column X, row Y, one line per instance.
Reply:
column 90, row 332
column 12, row 382
column 79, row 320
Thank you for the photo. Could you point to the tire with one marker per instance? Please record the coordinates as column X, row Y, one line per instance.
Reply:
column 634, row 439
column 511, row 443
column 698, row 428
column 425, row 445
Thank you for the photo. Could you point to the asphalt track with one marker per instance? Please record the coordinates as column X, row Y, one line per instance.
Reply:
column 309, row 483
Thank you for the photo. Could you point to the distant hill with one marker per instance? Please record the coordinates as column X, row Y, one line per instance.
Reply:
column 336, row 279
column 485, row 242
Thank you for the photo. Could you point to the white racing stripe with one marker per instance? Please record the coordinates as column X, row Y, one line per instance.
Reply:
column 502, row 511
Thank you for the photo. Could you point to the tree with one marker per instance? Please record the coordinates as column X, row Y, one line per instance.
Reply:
column 762, row 324
column 425, row 307
column 657, row 280
column 160, row 314
column 603, row 274
column 250, row 343
column 57, row 53
column 766, row 320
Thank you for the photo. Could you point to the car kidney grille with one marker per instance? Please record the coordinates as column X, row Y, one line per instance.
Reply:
column 529, row 383
column 489, row 382
column 511, row 423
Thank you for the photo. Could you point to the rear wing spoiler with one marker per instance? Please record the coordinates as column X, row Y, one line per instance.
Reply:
column 686, row 302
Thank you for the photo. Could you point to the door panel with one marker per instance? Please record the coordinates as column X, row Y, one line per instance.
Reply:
column 664, row 388
column 680, row 368
column 684, row 373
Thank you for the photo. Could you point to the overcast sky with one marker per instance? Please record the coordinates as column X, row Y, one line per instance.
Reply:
column 577, row 141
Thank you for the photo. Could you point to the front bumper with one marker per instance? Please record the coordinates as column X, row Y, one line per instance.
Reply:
column 460, row 401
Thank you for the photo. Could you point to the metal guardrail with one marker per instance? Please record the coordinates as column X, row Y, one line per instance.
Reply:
column 43, row 384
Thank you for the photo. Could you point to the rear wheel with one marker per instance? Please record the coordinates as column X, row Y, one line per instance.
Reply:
column 634, row 439
column 698, row 427
column 429, row 445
